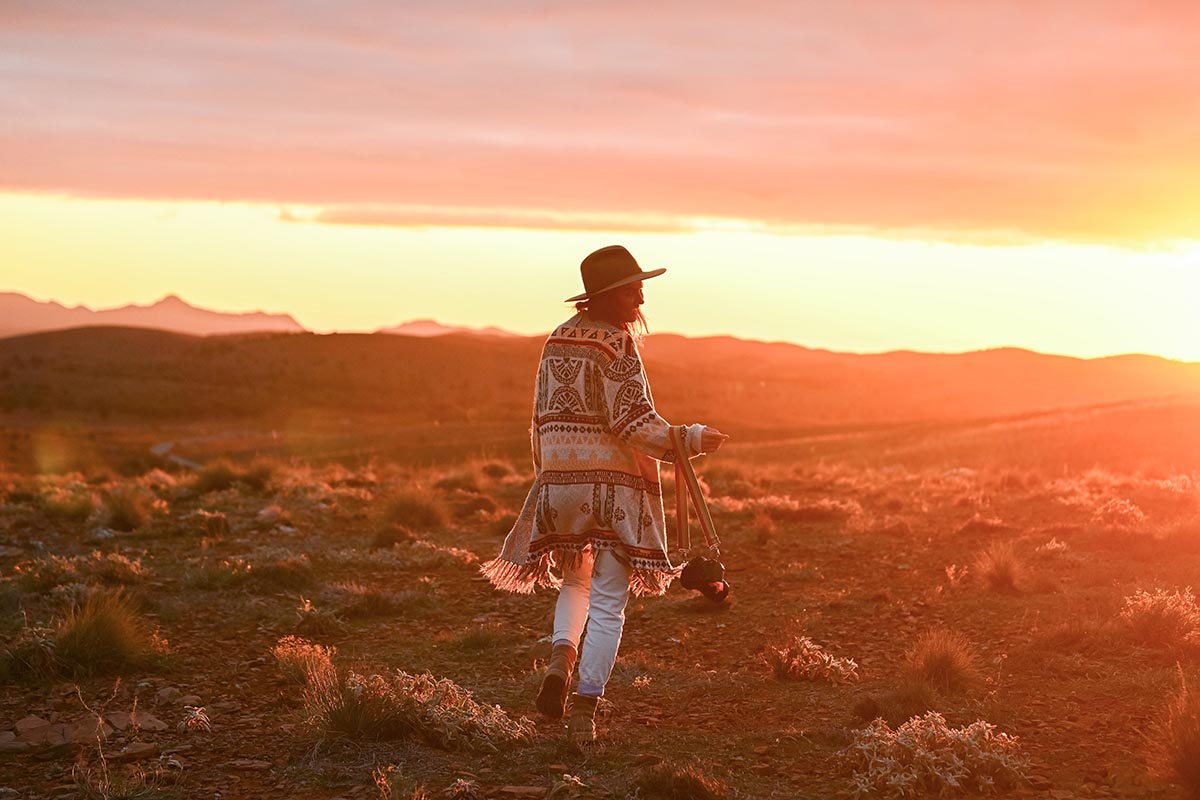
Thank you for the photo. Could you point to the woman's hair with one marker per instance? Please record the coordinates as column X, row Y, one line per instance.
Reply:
column 600, row 306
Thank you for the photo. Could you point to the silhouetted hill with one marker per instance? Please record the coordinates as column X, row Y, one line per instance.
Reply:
column 739, row 385
column 20, row 314
column 430, row 327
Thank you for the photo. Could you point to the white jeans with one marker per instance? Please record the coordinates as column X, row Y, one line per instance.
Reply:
column 594, row 592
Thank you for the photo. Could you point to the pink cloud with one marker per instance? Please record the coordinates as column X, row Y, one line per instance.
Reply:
column 1064, row 120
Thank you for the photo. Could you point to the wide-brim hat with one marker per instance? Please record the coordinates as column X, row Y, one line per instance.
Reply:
column 610, row 268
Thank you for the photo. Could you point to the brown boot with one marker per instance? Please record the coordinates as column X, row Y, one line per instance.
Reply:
column 581, row 726
column 552, row 698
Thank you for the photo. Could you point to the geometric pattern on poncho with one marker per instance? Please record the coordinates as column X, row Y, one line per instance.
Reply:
column 597, row 442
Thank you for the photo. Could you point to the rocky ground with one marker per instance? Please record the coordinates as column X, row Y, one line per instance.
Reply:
column 861, row 561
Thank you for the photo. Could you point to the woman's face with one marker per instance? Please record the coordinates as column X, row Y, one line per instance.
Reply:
column 627, row 300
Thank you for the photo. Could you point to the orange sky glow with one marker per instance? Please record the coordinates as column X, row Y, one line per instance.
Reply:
column 862, row 176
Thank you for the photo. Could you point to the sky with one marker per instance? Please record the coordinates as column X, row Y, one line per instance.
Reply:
column 866, row 176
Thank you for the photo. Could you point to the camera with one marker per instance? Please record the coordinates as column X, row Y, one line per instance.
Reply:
column 707, row 576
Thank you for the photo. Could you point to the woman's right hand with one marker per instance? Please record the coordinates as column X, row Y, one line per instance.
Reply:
column 711, row 440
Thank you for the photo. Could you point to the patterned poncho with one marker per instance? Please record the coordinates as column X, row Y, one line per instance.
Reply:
column 596, row 442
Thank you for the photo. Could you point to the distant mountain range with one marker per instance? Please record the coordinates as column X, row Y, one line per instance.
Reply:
column 21, row 315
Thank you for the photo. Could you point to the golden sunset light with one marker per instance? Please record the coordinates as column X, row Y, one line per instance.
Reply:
column 915, row 149
column 607, row 400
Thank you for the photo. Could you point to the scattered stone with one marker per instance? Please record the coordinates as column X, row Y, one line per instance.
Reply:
column 7, row 736
column 7, row 793
column 136, row 751
column 189, row 700
column 87, row 730
column 13, row 747
column 147, row 721
column 247, row 765
column 30, row 725
column 523, row 791
column 168, row 694
column 225, row 705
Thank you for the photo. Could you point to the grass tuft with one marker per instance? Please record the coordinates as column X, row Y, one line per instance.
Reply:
column 126, row 508
column 297, row 658
column 666, row 781
column 1000, row 568
column 417, row 508
column 802, row 659
column 1177, row 740
column 104, row 635
column 945, row 660
column 1162, row 618
column 216, row 476
column 404, row 706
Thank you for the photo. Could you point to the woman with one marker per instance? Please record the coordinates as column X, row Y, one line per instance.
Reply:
column 595, row 509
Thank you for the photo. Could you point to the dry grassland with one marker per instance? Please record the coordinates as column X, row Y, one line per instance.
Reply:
column 1002, row 608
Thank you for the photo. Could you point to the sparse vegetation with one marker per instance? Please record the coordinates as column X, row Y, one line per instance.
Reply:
column 666, row 781
column 297, row 658
column 943, row 659
column 925, row 757
column 126, row 508
column 104, row 635
column 1000, row 568
column 1177, row 740
column 802, row 659
column 1162, row 618
column 401, row 706
column 416, row 508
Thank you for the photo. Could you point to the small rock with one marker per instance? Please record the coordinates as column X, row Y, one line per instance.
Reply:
column 7, row 736
column 13, row 747
column 87, row 730
column 136, row 751
column 102, row 535
column 147, row 722
column 7, row 793
column 226, row 705
column 30, row 724
column 188, row 700
column 168, row 694
column 247, row 765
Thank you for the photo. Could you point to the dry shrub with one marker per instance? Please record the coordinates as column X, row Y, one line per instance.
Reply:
column 258, row 474
column 943, row 659
column 1162, row 618
column 355, row 601
column 43, row 574
column 458, row 482
column 1000, row 568
column 665, row 781
column 764, row 528
column 402, row 706
column 909, row 699
column 126, row 508
column 114, row 568
column 289, row 572
column 925, row 757
column 30, row 656
column 317, row 621
column 223, row 574
column 71, row 504
column 802, row 659
column 104, row 635
column 216, row 476
column 982, row 524
column 113, row 782
column 1119, row 514
column 1177, row 740
column 213, row 524
column 392, row 785
column 156, row 480
column 415, row 507
column 297, row 658
column 392, row 535
column 480, row 638
column 496, row 470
